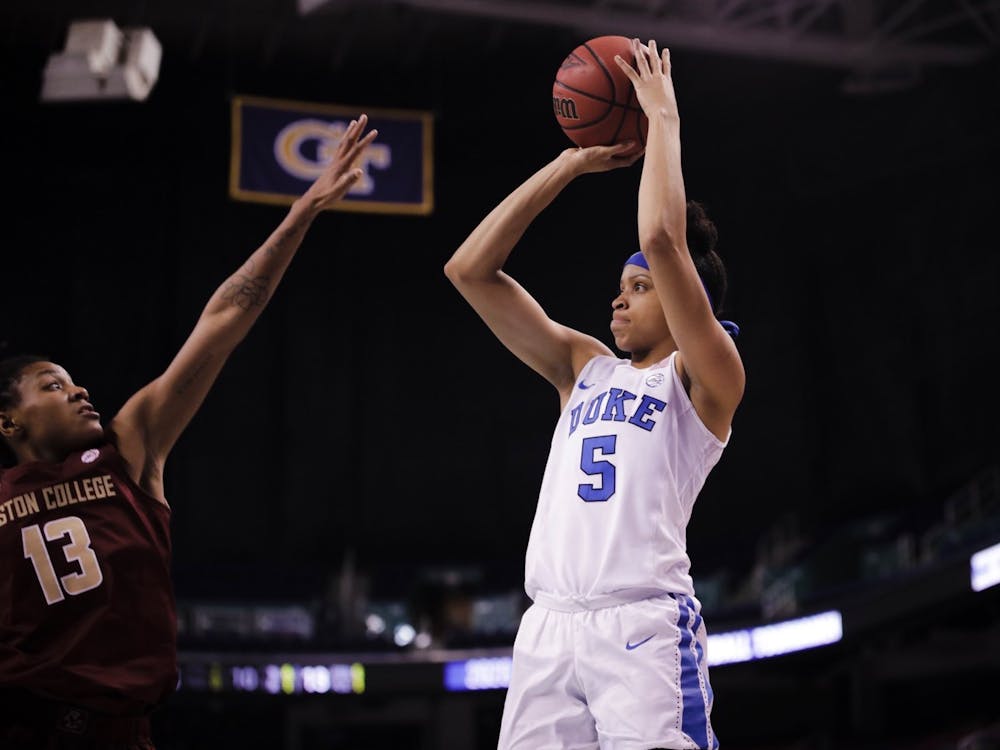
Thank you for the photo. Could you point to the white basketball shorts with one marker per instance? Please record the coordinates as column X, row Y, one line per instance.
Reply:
column 627, row 677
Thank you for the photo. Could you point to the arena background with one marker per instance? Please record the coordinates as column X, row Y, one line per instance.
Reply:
column 372, row 445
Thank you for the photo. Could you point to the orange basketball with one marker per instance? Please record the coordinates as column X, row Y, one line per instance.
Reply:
column 593, row 99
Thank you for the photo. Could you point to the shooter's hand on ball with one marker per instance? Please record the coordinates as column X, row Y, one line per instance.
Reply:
column 603, row 158
column 651, row 79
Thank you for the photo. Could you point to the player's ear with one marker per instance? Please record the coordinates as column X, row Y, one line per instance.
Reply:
column 7, row 425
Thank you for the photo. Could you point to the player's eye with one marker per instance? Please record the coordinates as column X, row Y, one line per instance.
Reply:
column 54, row 385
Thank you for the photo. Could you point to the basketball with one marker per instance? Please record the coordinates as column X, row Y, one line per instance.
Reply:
column 593, row 100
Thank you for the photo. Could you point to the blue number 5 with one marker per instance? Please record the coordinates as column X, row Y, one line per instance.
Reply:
column 606, row 445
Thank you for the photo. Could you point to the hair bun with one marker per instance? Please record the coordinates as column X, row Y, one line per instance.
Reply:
column 701, row 232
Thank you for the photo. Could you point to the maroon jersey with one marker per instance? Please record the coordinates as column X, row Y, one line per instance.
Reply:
column 87, row 611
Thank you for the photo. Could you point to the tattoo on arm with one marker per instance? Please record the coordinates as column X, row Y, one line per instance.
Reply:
column 245, row 290
column 248, row 290
column 193, row 374
column 282, row 239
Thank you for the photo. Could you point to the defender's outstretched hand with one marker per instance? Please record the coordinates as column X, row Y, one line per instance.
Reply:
column 341, row 173
column 651, row 79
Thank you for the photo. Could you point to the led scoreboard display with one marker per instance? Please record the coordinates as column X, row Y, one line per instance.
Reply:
column 341, row 674
column 288, row 678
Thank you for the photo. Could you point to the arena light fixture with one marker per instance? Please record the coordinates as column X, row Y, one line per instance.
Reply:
column 775, row 639
column 101, row 61
column 985, row 568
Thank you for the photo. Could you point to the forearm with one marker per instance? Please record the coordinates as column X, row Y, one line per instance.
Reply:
column 489, row 245
column 662, row 199
column 239, row 300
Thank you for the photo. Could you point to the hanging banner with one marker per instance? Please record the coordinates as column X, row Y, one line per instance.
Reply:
column 280, row 147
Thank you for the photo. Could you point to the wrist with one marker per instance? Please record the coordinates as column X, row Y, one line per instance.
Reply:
column 667, row 116
column 305, row 207
column 570, row 162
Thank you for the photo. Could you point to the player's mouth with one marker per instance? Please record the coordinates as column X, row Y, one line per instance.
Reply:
column 88, row 411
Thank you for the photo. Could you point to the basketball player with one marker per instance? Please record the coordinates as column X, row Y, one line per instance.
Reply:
column 87, row 616
column 611, row 653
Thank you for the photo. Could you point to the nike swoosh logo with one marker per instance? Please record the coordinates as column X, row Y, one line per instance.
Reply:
column 583, row 386
column 629, row 645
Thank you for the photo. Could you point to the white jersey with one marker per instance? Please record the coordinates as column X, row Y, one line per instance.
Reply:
column 629, row 456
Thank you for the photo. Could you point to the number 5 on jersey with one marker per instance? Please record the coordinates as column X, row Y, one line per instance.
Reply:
column 77, row 550
column 603, row 445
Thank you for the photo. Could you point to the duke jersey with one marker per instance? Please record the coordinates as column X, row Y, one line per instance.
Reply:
column 87, row 612
column 628, row 458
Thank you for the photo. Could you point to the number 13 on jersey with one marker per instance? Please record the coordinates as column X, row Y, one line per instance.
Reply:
column 76, row 550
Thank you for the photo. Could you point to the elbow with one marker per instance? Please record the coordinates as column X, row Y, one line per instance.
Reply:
column 662, row 232
column 453, row 271
column 461, row 271
column 658, row 241
column 650, row 241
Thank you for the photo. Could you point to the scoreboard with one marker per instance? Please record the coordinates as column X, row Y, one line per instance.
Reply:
column 344, row 674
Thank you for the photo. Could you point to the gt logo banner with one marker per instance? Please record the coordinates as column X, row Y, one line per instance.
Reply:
column 279, row 147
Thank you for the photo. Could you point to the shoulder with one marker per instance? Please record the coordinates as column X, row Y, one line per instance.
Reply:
column 144, row 469
column 714, row 416
column 126, row 437
column 599, row 367
column 602, row 362
column 588, row 366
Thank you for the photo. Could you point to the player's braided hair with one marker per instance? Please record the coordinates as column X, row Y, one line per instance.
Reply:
column 11, row 369
column 701, row 238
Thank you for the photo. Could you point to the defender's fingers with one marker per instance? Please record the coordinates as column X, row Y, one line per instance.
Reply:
column 355, row 128
column 361, row 145
column 350, row 149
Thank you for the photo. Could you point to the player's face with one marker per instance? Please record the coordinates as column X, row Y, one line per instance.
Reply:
column 53, row 412
column 637, row 320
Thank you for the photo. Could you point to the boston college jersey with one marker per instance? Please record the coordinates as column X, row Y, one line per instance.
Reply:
column 629, row 456
column 87, row 610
